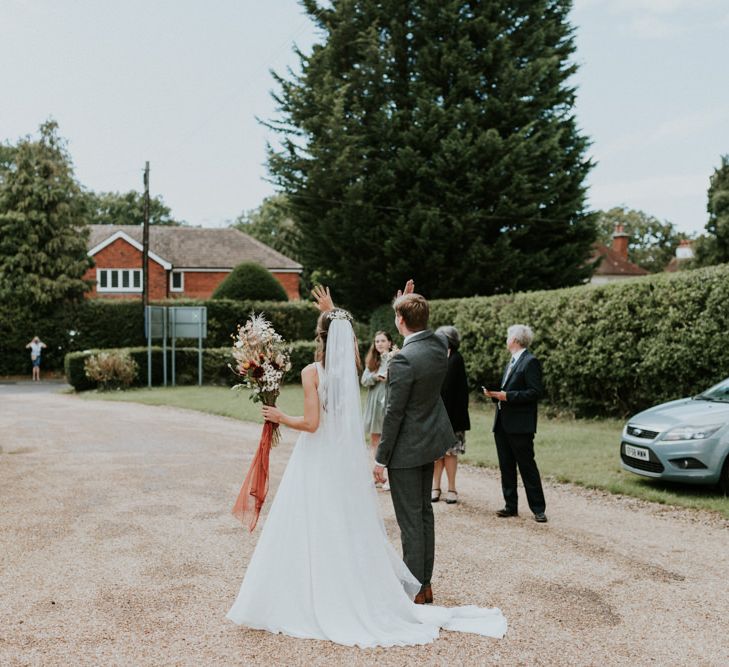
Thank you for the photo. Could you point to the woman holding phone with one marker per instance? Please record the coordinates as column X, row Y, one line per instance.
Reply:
column 455, row 398
column 374, row 377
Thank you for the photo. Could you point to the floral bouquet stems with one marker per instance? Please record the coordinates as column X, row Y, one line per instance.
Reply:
column 261, row 360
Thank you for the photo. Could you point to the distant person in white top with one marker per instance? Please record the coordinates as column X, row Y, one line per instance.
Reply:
column 36, row 346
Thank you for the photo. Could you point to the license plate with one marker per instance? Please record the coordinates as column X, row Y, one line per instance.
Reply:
column 637, row 453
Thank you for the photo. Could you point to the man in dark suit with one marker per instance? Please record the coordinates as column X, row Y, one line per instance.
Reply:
column 515, row 424
column 416, row 431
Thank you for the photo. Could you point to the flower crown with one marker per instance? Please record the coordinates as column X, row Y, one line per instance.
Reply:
column 339, row 314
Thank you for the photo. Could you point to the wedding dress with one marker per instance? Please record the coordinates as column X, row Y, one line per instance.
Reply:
column 323, row 567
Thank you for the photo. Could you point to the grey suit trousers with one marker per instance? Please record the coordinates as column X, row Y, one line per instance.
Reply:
column 410, row 491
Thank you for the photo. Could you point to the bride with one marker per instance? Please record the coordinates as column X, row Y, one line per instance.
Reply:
column 323, row 567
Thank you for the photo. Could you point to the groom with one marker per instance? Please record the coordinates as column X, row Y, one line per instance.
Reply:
column 416, row 431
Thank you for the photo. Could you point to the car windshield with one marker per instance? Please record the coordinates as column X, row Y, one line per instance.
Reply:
column 719, row 392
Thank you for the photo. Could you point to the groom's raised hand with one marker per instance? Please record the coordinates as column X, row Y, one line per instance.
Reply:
column 409, row 288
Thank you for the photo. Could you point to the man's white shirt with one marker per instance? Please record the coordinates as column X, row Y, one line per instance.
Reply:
column 514, row 360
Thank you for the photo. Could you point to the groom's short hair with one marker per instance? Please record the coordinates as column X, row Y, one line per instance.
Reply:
column 414, row 310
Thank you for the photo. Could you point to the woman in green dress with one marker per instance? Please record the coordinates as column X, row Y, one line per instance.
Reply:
column 374, row 378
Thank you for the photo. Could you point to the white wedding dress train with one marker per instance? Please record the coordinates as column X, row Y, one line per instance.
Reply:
column 323, row 567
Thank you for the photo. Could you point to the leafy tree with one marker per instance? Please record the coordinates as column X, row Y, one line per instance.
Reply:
column 250, row 282
column 42, row 230
column 435, row 139
column 116, row 208
column 652, row 243
column 271, row 223
column 713, row 247
column 7, row 157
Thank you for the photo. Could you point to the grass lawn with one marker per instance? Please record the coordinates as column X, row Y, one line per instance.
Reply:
column 583, row 452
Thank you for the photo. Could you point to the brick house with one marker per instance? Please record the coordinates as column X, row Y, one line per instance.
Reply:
column 185, row 262
column 613, row 263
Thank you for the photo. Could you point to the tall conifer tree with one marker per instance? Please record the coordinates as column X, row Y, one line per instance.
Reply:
column 436, row 139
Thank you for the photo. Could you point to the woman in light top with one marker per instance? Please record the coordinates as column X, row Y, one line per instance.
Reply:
column 374, row 378
column 36, row 346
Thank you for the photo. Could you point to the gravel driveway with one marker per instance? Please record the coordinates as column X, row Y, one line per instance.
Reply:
column 117, row 548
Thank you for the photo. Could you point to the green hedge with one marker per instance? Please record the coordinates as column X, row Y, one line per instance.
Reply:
column 294, row 320
column 606, row 350
column 215, row 365
column 107, row 323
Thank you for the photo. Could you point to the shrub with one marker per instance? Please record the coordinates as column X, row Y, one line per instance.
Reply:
column 606, row 350
column 114, row 369
column 250, row 281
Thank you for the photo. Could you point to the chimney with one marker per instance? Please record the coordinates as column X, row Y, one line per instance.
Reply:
column 684, row 250
column 620, row 242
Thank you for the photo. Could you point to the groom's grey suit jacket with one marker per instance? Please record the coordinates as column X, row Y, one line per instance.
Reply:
column 416, row 429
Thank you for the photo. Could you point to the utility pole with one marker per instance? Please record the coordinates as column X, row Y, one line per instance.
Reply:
column 145, row 240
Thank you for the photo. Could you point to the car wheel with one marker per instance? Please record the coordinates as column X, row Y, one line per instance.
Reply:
column 724, row 479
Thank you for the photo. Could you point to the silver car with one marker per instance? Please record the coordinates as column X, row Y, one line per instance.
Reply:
column 682, row 441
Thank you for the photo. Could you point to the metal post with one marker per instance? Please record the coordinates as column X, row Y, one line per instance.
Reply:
column 174, row 337
column 199, row 346
column 164, row 344
column 145, row 239
column 148, row 324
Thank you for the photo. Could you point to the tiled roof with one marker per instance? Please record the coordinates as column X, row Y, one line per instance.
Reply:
column 612, row 264
column 195, row 247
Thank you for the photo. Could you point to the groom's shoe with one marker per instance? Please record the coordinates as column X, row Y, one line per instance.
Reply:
column 540, row 517
column 506, row 512
column 425, row 596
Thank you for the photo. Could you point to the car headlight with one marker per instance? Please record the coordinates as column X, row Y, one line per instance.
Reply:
column 691, row 432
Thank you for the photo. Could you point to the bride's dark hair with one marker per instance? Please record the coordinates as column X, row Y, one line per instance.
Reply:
column 322, row 332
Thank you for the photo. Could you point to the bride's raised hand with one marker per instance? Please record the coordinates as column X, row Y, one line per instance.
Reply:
column 409, row 288
column 323, row 298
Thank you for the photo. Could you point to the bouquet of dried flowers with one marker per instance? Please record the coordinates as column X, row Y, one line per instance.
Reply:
column 262, row 358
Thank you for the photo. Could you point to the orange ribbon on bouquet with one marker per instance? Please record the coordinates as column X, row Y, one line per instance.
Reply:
column 252, row 495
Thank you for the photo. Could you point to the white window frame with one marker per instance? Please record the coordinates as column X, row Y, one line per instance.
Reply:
column 108, row 273
column 181, row 288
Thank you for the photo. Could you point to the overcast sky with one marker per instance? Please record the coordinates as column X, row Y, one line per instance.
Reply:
column 180, row 83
